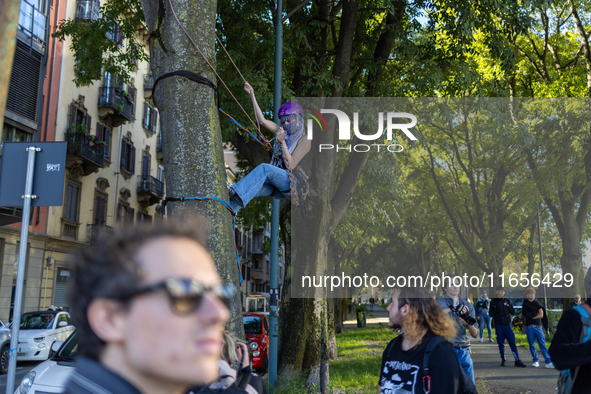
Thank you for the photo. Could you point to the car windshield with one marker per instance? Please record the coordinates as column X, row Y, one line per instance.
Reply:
column 252, row 325
column 68, row 350
column 36, row 321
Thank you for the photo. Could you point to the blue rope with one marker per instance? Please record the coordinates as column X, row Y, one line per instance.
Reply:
column 228, row 207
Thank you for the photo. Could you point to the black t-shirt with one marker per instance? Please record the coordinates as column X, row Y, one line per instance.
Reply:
column 566, row 351
column 402, row 371
column 531, row 309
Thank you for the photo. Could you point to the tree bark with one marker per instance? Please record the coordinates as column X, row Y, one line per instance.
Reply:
column 192, row 141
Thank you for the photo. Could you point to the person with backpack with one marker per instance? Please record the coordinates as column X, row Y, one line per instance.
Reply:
column 273, row 179
column 484, row 319
column 421, row 360
column 501, row 310
column 571, row 348
column 236, row 351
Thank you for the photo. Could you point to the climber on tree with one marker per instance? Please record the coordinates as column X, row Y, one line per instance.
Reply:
column 273, row 179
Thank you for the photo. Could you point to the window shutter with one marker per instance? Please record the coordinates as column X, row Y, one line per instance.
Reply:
column 132, row 93
column 123, row 155
column 88, row 120
column 155, row 118
column 107, row 133
column 71, row 116
column 132, row 164
column 100, row 131
column 145, row 119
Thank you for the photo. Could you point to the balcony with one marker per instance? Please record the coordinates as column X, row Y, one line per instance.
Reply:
column 94, row 232
column 10, row 215
column 256, row 274
column 87, row 10
column 113, row 102
column 84, row 153
column 149, row 190
column 31, row 27
column 148, row 82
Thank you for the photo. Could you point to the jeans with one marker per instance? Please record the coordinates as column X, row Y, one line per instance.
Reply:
column 506, row 332
column 465, row 360
column 485, row 320
column 260, row 182
column 536, row 333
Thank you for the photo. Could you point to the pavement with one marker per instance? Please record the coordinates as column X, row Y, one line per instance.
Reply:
column 487, row 363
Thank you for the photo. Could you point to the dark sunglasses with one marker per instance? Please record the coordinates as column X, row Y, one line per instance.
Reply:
column 185, row 295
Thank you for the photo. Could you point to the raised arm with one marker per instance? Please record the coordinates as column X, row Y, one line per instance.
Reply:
column 267, row 124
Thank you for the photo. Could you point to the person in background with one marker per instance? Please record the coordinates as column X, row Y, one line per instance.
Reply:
column 577, row 301
column 422, row 321
column 501, row 310
column 233, row 351
column 484, row 319
column 534, row 312
column 571, row 346
column 457, row 307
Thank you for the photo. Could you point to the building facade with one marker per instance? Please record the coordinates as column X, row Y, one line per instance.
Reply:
column 114, row 171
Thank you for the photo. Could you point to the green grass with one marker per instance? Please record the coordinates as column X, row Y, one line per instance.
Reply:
column 357, row 368
column 521, row 339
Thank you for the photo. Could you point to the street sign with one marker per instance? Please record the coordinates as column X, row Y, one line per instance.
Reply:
column 48, row 181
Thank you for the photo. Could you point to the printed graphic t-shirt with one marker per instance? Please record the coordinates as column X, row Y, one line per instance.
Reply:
column 402, row 371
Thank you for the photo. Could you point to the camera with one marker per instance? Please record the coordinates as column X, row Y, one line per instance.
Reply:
column 466, row 316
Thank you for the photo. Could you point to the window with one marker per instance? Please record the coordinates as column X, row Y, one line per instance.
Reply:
column 160, row 173
column 146, row 166
column 78, row 120
column 71, row 210
column 132, row 93
column 127, row 157
column 12, row 134
column 150, row 120
column 62, row 317
column 125, row 213
column 256, row 242
column 100, row 209
column 104, row 133
column 115, row 34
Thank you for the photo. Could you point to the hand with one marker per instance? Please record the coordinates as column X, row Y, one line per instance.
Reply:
column 463, row 310
column 280, row 135
column 463, row 321
column 242, row 353
column 248, row 88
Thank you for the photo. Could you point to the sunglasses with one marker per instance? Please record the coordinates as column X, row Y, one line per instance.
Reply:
column 184, row 294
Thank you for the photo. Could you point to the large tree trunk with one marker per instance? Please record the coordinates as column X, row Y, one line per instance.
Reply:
column 9, row 10
column 192, row 141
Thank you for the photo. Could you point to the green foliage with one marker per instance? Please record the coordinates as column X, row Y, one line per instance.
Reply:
column 110, row 43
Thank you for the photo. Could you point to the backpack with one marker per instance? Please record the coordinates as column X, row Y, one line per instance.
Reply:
column 566, row 380
column 466, row 384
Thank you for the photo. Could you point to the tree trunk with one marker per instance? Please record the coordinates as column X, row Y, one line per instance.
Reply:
column 9, row 10
column 192, row 141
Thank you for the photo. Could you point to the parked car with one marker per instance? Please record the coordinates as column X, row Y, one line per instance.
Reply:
column 5, row 335
column 39, row 330
column 51, row 376
column 256, row 328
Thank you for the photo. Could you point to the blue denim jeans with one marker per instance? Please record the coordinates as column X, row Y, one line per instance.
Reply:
column 465, row 360
column 261, row 182
column 506, row 332
column 485, row 320
column 536, row 333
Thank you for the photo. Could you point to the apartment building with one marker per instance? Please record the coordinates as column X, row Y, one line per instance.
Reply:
column 114, row 166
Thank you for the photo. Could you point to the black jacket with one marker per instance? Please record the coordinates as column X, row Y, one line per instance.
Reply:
column 91, row 377
column 501, row 310
column 567, row 352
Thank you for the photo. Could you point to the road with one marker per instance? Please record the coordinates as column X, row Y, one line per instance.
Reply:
column 21, row 370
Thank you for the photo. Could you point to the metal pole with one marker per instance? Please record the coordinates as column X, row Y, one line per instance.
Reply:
column 541, row 256
column 275, row 206
column 20, row 273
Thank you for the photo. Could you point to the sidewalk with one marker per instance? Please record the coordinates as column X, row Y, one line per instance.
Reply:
column 510, row 379
column 377, row 318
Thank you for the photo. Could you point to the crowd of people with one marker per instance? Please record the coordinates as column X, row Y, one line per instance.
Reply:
column 415, row 362
column 151, row 314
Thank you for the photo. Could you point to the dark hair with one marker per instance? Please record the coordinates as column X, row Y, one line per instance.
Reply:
column 108, row 269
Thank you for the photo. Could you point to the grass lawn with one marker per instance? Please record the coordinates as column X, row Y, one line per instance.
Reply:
column 357, row 368
column 521, row 340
